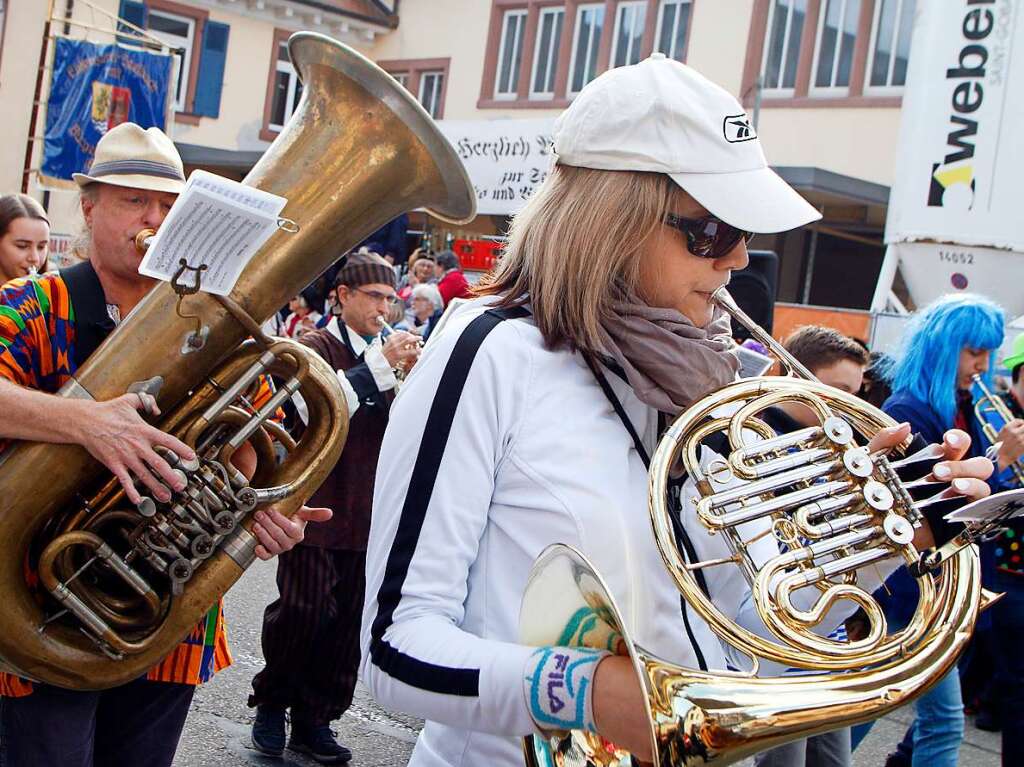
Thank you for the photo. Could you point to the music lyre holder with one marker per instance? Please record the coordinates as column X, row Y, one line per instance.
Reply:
column 196, row 339
column 984, row 520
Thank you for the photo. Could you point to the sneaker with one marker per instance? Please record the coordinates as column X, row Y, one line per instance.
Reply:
column 268, row 730
column 318, row 741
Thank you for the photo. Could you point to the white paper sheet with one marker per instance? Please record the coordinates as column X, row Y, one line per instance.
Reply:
column 1009, row 502
column 216, row 222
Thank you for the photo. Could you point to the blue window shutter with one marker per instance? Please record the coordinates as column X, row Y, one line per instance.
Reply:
column 134, row 12
column 211, row 69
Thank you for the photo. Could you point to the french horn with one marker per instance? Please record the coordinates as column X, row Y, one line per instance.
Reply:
column 833, row 509
column 122, row 585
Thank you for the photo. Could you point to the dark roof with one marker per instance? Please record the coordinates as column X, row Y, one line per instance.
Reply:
column 809, row 179
column 364, row 10
column 194, row 154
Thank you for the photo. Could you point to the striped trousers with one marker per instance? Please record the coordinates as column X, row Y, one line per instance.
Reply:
column 311, row 634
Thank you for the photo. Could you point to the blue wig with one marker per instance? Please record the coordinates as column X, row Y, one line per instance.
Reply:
column 926, row 366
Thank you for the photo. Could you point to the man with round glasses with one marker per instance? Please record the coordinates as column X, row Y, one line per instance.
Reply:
column 311, row 632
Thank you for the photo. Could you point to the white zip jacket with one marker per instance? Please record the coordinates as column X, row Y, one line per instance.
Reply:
column 536, row 455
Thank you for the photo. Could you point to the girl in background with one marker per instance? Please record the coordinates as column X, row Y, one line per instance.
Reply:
column 24, row 237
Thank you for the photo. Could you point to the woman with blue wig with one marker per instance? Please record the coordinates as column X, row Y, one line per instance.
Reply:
column 945, row 346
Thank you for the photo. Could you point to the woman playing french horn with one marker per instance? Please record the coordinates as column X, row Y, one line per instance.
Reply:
column 601, row 327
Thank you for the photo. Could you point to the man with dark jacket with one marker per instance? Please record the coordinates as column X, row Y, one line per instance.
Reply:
column 390, row 241
column 311, row 632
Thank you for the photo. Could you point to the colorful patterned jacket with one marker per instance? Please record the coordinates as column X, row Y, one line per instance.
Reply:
column 42, row 333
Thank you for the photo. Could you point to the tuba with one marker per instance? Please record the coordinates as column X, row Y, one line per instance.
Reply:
column 122, row 585
column 833, row 508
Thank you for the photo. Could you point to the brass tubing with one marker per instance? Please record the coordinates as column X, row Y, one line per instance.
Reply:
column 47, row 576
column 992, row 402
column 700, row 718
column 751, row 489
column 780, row 502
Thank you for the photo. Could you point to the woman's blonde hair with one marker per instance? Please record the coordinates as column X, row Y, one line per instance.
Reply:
column 575, row 248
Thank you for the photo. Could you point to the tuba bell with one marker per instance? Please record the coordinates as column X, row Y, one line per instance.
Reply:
column 123, row 585
column 833, row 508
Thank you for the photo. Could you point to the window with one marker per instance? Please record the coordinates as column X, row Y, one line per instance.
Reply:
column 286, row 90
column 545, row 53
column 673, row 24
column 178, row 32
column 425, row 79
column 837, row 36
column 202, row 47
column 431, row 84
column 510, row 55
column 839, row 53
column 629, row 32
column 585, row 44
column 890, row 43
column 3, row 25
column 782, row 44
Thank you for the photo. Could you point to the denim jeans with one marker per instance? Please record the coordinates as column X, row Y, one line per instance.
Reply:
column 939, row 725
column 829, row 749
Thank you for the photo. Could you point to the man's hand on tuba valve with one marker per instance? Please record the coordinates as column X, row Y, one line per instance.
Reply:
column 277, row 533
column 116, row 435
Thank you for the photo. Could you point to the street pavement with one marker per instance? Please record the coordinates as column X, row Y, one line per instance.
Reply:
column 217, row 730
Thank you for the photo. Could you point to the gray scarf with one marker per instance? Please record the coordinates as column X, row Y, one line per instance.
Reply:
column 669, row 362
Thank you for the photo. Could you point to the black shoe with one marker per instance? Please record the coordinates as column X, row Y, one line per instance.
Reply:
column 897, row 759
column 319, row 742
column 268, row 730
column 988, row 721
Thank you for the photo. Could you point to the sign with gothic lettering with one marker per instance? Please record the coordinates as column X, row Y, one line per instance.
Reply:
column 506, row 159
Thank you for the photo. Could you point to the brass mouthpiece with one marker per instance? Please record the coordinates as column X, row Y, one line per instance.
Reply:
column 144, row 239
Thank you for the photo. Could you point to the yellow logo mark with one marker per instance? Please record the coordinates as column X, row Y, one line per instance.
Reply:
column 102, row 94
column 947, row 177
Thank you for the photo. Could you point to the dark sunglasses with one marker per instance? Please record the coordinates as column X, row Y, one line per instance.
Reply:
column 707, row 237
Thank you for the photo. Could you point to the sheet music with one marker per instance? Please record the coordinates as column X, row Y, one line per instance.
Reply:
column 1006, row 505
column 216, row 222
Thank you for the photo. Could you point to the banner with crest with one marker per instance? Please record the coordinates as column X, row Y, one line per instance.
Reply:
column 94, row 88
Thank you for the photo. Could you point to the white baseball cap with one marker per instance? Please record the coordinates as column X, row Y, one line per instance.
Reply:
column 665, row 117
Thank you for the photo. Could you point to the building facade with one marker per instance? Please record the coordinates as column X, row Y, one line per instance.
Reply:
column 822, row 79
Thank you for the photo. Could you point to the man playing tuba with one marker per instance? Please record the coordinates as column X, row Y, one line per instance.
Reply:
column 48, row 329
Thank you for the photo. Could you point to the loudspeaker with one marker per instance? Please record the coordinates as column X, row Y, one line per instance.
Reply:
column 754, row 289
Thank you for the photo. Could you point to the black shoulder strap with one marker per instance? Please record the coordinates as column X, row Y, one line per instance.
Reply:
column 620, row 411
column 674, row 495
column 92, row 323
column 405, row 668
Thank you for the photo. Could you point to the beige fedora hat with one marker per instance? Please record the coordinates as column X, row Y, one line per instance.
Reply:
column 127, row 155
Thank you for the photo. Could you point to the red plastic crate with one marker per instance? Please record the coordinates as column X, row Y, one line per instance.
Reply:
column 477, row 255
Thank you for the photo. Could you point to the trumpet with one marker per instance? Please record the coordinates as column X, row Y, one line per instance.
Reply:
column 400, row 371
column 987, row 404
